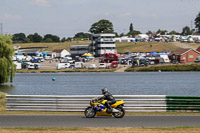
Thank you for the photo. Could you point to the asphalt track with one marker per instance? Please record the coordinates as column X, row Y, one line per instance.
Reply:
column 81, row 121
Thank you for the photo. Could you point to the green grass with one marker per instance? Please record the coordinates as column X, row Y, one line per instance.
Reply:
column 64, row 70
column 179, row 67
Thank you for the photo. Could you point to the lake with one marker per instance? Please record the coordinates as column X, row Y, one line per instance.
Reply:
column 125, row 83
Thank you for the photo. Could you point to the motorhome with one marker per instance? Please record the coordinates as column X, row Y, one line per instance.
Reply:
column 166, row 58
column 67, row 60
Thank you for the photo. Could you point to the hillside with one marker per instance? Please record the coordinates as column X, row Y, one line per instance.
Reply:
column 121, row 47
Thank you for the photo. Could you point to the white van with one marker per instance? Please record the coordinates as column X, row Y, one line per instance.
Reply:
column 79, row 65
column 18, row 65
column 62, row 66
column 33, row 66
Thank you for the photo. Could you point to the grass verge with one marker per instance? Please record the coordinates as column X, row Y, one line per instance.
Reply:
column 64, row 70
column 2, row 101
column 101, row 130
column 178, row 67
column 4, row 112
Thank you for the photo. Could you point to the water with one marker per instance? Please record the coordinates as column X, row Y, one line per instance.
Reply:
column 133, row 83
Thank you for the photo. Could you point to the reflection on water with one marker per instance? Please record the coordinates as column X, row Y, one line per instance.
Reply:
column 6, row 88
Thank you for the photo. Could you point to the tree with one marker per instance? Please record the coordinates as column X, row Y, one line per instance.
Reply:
column 173, row 32
column 197, row 22
column 149, row 32
column 48, row 40
column 133, row 33
column 83, row 35
column 102, row 26
column 19, row 38
column 7, row 68
column 37, row 38
column 30, row 37
column 63, row 39
column 161, row 32
column 54, row 38
column 186, row 31
column 131, row 27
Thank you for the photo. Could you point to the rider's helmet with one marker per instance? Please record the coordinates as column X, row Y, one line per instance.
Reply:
column 104, row 90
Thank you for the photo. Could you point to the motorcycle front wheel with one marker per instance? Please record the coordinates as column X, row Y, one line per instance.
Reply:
column 119, row 114
column 89, row 112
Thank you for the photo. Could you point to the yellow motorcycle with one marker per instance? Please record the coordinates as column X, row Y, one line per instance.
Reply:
column 98, row 107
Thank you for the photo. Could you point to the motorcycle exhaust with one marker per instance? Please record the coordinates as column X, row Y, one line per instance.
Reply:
column 115, row 110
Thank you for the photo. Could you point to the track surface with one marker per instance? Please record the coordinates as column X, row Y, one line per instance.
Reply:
column 81, row 121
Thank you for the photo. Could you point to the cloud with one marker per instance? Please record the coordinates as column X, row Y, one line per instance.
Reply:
column 43, row 3
column 7, row 16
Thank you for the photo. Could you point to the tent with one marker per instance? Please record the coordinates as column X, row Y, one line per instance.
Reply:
column 87, row 54
column 153, row 53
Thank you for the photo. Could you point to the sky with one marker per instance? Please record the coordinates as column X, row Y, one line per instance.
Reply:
column 65, row 18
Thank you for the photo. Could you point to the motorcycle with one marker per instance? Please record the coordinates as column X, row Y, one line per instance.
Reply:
column 98, row 107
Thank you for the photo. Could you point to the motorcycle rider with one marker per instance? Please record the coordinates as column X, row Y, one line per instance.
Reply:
column 107, row 96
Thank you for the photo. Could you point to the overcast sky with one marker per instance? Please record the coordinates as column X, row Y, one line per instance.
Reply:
column 68, row 17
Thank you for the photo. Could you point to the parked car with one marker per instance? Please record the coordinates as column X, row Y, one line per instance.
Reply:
column 197, row 59
column 175, row 62
column 72, row 66
column 36, row 60
column 33, row 66
column 102, row 65
column 140, row 62
column 114, row 64
column 92, row 66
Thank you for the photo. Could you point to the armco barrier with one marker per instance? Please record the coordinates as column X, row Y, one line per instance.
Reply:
column 133, row 103
column 183, row 103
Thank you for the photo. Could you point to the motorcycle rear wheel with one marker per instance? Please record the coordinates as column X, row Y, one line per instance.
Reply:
column 89, row 112
column 119, row 114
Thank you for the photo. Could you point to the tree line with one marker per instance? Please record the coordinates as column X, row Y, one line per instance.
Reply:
column 102, row 26
column 33, row 38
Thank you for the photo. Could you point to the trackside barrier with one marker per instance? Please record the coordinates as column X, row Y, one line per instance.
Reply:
column 133, row 103
column 183, row 103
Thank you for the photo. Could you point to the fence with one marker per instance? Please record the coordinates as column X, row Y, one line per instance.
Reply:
column 133, row 103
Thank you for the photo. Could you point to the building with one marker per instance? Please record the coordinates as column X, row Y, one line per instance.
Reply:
column 184, row 55
column 78, row 50
column 101, row 44
column 141, row 37
column 125, row 39
column 60, row 53
column 198, row 49
column 30, row 52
